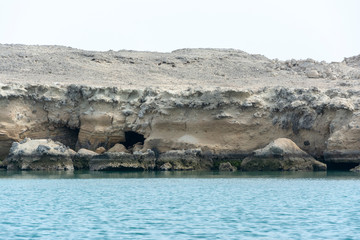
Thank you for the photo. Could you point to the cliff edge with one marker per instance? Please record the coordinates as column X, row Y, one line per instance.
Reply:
column 227, row 103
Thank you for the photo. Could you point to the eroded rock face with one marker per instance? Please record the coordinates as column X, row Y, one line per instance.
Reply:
column 281, row 155
column 218, row 121
column 42, row 154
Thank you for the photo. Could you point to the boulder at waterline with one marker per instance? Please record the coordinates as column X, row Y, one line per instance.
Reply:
column 190, row 159
column 82, row 158
column 39, row 154
column 281, row 154
column 111, row 161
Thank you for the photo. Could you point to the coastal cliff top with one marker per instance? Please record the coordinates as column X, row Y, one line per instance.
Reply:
column 180, row 69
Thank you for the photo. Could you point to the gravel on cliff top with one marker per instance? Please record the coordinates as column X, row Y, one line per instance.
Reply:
column 180, row 69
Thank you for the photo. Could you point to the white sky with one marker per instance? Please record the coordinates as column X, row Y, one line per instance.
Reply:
column 319, row 29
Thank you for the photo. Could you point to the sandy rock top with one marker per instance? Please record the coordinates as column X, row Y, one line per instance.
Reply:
column 178, row 70
column 29, row 147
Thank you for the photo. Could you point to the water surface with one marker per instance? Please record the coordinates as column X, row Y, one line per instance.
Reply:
column 179, row 205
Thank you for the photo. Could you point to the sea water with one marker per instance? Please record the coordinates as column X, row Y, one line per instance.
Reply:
column 179, row 205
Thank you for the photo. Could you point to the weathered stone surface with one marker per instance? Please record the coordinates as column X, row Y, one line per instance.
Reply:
column 41, row 154
column 82, row 158
column 190, row 159
column 111, row 161
column 226, row 166
column 118, row 148
column 281, row 155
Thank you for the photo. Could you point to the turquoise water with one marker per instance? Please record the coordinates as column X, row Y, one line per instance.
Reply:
column 181, row 205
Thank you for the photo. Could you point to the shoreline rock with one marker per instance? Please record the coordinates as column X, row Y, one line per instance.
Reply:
column 281, row 155
column 114, row 161
column 43, row 154
column 82, row 158
column 183, row 160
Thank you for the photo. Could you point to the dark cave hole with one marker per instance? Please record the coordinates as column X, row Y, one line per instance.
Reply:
column 341, row 166
column 66, row 135
column 131, row 138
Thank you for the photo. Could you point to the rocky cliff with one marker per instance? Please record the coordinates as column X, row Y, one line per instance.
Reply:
column 226, row 103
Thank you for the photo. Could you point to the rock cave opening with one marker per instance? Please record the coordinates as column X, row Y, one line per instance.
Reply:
column 131, row 138
column 66, row 135
column 343, row 166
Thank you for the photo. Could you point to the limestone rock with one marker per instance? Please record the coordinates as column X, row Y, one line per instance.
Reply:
column 114, row 161
column 118, row 148
column 100, row 150
column 226, row 166
column 312, row 74
column 82, row 158
column 40, row 154
column 190, row 159
column 343, row 143
column 281, row 155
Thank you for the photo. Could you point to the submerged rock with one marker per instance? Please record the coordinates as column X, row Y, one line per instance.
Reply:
column 281, row 154
column 40, row 154
column 111, row 161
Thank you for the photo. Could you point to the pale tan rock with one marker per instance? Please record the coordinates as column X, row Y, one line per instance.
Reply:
column 118, row 148
column 100, row 150
column 281, row 154
column 313, row 74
